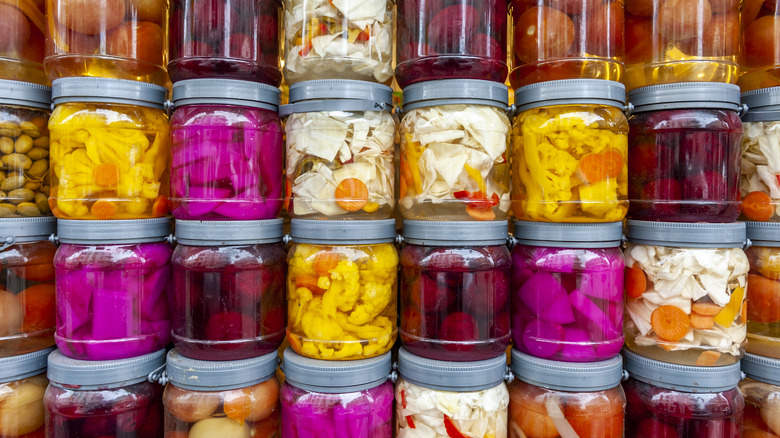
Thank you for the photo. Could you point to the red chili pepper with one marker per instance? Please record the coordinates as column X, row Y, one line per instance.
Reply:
column 363, row 36
column 403, row 399
column 452, row 431
column 324, row 29
column 462, row 194
column 410, row 422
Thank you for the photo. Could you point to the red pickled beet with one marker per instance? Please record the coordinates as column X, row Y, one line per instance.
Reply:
column 461, row 330
column 229, row 326
column 241, row 46
column 212, row 18
column 703, row 149
column 652, row 428
column 542, row 339
column 483, row 45
column 706, row 185
column 429, row 296
column 445, row 259
column 453, row 25
column 131, row 421
column 485, row 293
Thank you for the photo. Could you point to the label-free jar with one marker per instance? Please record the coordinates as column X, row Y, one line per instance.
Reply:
column 760, row 56
column 23, row 45
column 763, row 292
column 761, row 390
column 759, row 184
column 22, row 385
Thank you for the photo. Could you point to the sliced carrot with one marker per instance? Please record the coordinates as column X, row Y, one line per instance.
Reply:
column 707, row 358
column 103, row 209
column 702, row 322
column 308, row 282
column 591, row 168
column 406, row 172
column 613, row 162
column 709, row 309
column 402, row 188
column 295, row 342
column 106, row 174
column 670, row 323
column 764, row 296
column 287, row 194
column 238, row 405
column 38, row 304
column 351, row 194
column 743, row 312
column 636, row 282
column 480, row 214
column 160, row 206
column 757, row 206
column 325, row 262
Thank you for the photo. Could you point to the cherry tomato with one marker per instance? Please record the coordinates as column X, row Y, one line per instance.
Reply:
column 720, row 38
column 604, row 29
column 639, row 40
column 762, row 42
column 142, row 41
column 90, row 16
column 543, row 33
column 682, row 19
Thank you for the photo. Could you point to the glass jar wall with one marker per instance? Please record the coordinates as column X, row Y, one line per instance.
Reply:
column 22, row 48
column 760, row 56
column 763, row 292
column 761, row 390
column 22, row 385
column 759, row 183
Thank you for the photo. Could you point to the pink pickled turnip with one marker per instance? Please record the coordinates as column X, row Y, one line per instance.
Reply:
column 554, row 259
column 542, row 339
column 597, row 319
column 114, row 313
column 558, row 309
column 540, row 291
column 602, row 285
column 247, row 210
column 577, row 346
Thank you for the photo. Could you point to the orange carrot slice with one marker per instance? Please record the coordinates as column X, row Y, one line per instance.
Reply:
column 613, row 162
column 636, row 282
column 757, row 206
column 709, row 309
column 160, row 206
column 670, row 323
column 351, row 194
column 295, row 342
column 591, row 168
column 238, row 405
column 308, row 282
column 707, row 358
column 480, row 214
column 325, row 262
column 702, row 322
column 103, row 209
column 106, row 174
column 764, row 296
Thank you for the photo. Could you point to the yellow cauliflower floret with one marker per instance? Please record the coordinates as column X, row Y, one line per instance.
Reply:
column 318, row 325
column 344, row 289
column 374, row 298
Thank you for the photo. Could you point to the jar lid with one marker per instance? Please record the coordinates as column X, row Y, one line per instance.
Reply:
column 567, row 376
column 26, row 229
column 683, row 378
column 202, row 375
column 455, row 92
column 225, row 92
column 113, row 231
column 571, row 92
column 706, row 95
column 105, row 90
column 763, row 233
column 455, row 233
column 337, row 95
column 763, row 105
column 224, row 233
column 335, row 376
column 452, row 376
column 25, row 94
column 23, row 366
column 763, row 369
column 93, row 374
column 687, row 234
column 569, row 235
column 342, row 232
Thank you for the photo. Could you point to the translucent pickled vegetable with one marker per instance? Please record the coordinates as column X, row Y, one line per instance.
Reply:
column 21, row 51
column 759, row 183
column 21, row 407
column 763, row 295
column 760, row 56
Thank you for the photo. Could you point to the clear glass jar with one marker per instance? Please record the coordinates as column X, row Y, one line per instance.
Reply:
column 226, row 150
column 342, row 39
column 681, row 41
column 232, row 39
column 567, row 290
column 684, row 146
column 564, row 399
column 455, row 290
column 760, row 56
column 27, row 313
column 563, row 39
column 22, row 385
column 109, row 159
column 454, row 163
column 763, row 292
column 681, row 401
column 759, row 183
column 230, row 399
column 22, row 48
column 100, row 277
column 354, row 398
column 451, row 40
column 340, row 150
column 450, row 399
column 228, row 282
column 119, row 39
column 685, row 292
column 104, row 398
column 570, row 152
column 341, row 288
column 761, row 390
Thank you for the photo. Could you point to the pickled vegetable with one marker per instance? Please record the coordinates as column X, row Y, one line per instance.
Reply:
column 21, row 407
column 763, row 312
column 24, row 171
column 23, row 26
column 759, row 183
column 760, row 56
column 762, row 409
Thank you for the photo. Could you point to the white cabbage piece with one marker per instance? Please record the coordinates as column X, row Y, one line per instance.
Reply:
column 761, row 159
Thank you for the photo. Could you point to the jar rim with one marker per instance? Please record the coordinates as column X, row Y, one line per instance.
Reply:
column 227, row 233
column 571, row 92
column 335, row 377
column 27, row 229
column 685, row 95
column 218, row 91
column 342, row 232
column 687, row 234
column 455, row 92
column 568, row 376
column 452, row 376
column 23, row 366
column 569, row 235
column 113, row 232
column 763, row 369
column 107, row 90
column 683, row 378
column 455, row 233
column 211, row 376
column 25, row 94
column 80, row 374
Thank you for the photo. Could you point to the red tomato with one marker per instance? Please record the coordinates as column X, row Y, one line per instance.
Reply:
column 142, row 41
column 720, row 38
column 90, row 16
column 682, row 19
column 604, row 27
column 724, row 6
column 543, row 33
column 639, row 40
column 34, row 50
column 14, row 27
column 762, row 42
column 574, row 6
column 644, row 8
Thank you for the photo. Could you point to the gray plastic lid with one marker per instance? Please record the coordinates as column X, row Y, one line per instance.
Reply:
column 25, row 94
column 91, row 232
column 763, row 369
column 567, row 376
column 335, row 376
column 94, row 374
column 105, row 90
column 337, row 95
column 224, row 233
column 706, row 95
column 687, row 234
column 201, row 375
column 225, row 92
column 569, row 235
column 23, row 366
column 763, row 105
column 452, row 376
column 682, row 378
column 342, row 232
column 763, row 233
column 26, row 229
column 455, row 233
column 454, row 92
column 571, row 92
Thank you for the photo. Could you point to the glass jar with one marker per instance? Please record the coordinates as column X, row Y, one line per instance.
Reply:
column 228, row 289
column 759, row 183
column 567, row 290
column 455, row 289
column 27, row 313
column 341, row 288
column 22, row 384
column 451, row 40
column 763, row 292
column 681, row 41
column 760, row 56
column 565, row 399
column 667, row 400
column 559, row 39
column 454, row 165
column 104, row 398
column 230, row 399
column 22, row 48
column 685, row 292
column 24, row 148
column 226, row 39
column 684, row 145
column 344, row 39
column 109, row 150
column 761, row 390
column 354, row 177
column 226, row 150
column 354, row 398
column 451, row 399
column 107, row 38
column 112, row 282
column 570, row 141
